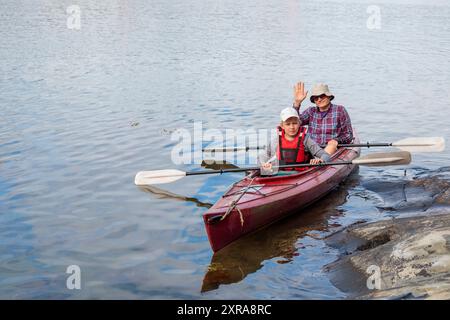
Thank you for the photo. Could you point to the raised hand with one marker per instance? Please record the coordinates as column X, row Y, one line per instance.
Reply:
column 299, row 94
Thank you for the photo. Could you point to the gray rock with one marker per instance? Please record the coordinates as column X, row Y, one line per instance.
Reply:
column 407, row 258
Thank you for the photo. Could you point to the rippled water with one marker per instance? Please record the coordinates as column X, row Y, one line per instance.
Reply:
column 83, row 110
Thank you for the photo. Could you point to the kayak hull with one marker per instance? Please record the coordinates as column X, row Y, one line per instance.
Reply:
column 255, row 202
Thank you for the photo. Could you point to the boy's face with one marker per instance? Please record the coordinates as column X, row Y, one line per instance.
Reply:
column 291, row 126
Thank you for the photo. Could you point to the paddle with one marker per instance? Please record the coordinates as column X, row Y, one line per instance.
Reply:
column 232, row 149
column 426, row 144
column 374, row 159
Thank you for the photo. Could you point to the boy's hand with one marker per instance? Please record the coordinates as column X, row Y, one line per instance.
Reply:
column 316, row 161
column 266, row 169
column 267, row 166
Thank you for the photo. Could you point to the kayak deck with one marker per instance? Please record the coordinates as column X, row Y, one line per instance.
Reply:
column 256, row 201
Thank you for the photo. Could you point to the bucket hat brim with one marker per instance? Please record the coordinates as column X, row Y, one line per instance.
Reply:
column 320, row 89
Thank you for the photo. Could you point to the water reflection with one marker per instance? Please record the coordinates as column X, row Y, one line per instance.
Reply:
column 246, row 255
column 217, row 165
column 164, row 194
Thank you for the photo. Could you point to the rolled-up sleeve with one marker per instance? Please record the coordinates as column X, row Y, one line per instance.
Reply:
column 345, row 124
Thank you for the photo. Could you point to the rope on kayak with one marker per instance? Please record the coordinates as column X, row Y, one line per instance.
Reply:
column 240, row 216
column 233, row 204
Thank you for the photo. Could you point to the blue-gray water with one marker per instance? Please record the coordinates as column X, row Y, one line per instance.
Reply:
column 83, row 110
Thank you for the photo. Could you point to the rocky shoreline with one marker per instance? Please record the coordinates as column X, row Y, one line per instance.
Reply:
column 401, row 258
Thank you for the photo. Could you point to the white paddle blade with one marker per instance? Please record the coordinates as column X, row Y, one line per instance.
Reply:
column 384, row 159
column 426, row 144
column 144, row 178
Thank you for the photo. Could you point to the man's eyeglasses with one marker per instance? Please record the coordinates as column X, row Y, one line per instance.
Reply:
column 322, row 96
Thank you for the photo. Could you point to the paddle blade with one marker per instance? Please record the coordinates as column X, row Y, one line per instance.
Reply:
column 384, row 159
column 426, row 144
column 158, row 177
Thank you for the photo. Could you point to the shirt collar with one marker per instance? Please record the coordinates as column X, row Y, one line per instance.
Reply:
column 331, row 106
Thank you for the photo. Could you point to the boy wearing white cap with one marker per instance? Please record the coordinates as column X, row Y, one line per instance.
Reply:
column 292, row 145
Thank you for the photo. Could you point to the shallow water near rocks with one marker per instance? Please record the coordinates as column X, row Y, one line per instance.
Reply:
column 84, row 110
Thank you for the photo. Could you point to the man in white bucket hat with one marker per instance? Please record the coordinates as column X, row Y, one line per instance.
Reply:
column 326, row 121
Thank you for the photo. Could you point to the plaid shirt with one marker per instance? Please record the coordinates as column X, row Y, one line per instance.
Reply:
column 334, row 124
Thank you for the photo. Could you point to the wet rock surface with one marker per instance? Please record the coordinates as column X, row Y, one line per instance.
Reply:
column 427, row 190
column 405, row 258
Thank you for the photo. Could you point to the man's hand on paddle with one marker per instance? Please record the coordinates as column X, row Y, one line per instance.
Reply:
column 299, row 94
column 331, row 147
column 333, row 143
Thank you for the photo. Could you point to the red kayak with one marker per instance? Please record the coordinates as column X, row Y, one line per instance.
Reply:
column 255, row 202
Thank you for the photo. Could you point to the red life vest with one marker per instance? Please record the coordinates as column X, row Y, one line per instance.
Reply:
column 292, row 152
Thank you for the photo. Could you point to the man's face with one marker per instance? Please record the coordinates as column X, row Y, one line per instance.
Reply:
column 322, row 101
column 291, row 126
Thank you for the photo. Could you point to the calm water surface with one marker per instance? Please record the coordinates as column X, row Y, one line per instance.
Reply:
column 83, row 110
